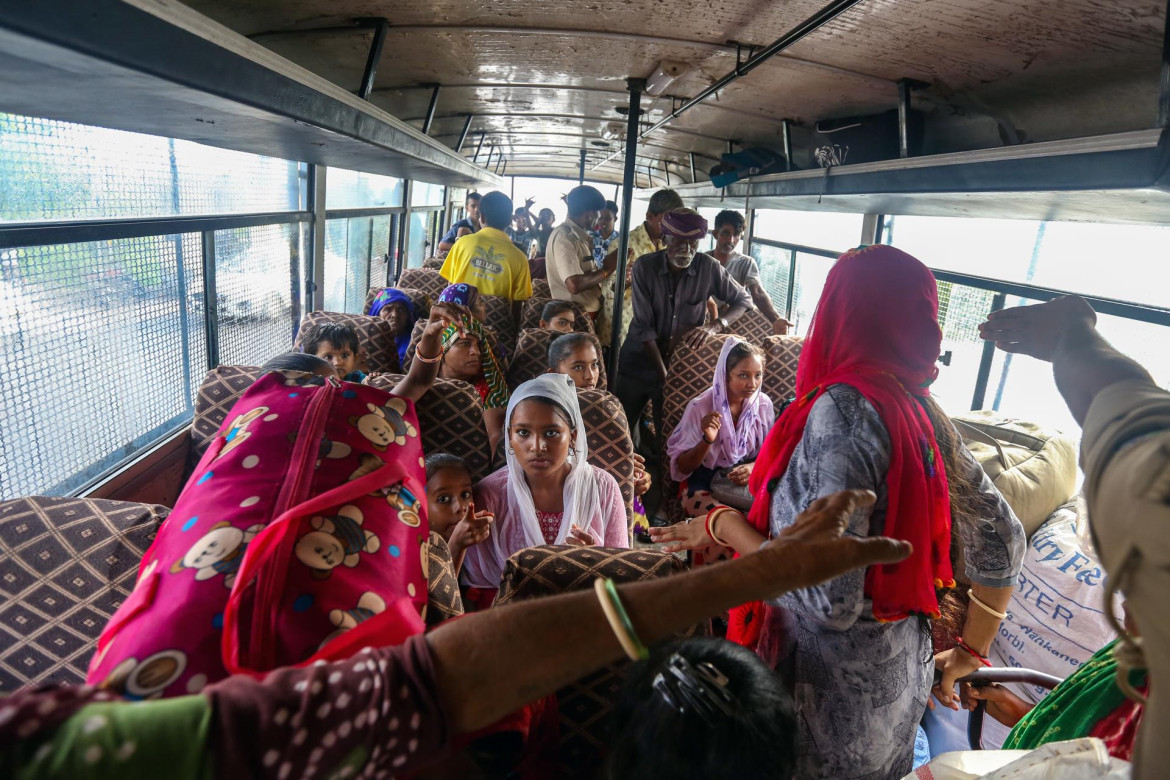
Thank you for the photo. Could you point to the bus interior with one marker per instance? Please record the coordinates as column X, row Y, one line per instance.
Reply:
column 183, row 185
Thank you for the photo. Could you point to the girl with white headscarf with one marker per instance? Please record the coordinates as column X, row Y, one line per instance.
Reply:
column 721, row 431
column 548, row 493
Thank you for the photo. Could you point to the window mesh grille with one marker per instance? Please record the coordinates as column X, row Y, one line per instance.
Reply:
column 53, row 170
column 254, row 269
column 101, row 349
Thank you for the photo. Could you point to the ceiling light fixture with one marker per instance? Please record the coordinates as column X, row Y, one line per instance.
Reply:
column 667, row 72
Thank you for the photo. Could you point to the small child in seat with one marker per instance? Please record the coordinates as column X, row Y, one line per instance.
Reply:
column 558, row 316
column 338, row 344
column 450, row 508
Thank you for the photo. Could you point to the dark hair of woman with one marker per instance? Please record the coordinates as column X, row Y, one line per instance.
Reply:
column 742, row 351
column 702, row 708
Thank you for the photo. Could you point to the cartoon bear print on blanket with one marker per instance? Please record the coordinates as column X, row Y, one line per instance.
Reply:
column 219, row 551
column 138, row 681
column 237, row 433
column 337, row 540
column 385, row 425
column 368, row 605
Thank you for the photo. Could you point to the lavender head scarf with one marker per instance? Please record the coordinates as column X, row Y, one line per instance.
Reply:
column 736, row 443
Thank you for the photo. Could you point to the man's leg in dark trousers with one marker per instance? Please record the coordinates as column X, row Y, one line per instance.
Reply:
column 638, row 383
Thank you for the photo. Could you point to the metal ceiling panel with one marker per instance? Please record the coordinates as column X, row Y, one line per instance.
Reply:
column 1036, row 69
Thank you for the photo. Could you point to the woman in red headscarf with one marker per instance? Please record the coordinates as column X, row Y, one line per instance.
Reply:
column 857, row 651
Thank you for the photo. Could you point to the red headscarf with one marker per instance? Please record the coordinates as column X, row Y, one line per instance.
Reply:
column 875, row 329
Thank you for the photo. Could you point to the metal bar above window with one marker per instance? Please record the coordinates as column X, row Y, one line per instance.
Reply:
column 70, row 232
column 374, row 211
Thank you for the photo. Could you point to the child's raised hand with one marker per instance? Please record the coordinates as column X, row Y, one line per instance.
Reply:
column 474, row 528
column 642, row 479
column 444, row 314
column 579, row 537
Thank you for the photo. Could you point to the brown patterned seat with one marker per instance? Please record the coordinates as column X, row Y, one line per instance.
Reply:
column 433, row 262
column 583, row 706
column 379, row 352
column 498, row 317
column 780, row 373
column 688, row 375
column 419, row 299
column 531, row 357
column 531, row 309
column 450, row 416
column 217, row 394
column 66, row 565
column 540, row 289
column 426, row 280
column 443, row 598
column 610, row 447
column 753, row 326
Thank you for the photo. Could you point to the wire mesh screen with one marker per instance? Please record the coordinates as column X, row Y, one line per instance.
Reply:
column 960, row 310
column 811, row 273
column 53, row 170
column 775, row 270
column 101, row 350
column 355, row 258
column 379, row 258
column 255, row 269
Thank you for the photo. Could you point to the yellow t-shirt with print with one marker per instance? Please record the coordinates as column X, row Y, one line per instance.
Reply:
column 489, row 260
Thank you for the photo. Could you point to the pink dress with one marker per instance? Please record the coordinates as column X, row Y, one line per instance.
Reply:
column 608, row 524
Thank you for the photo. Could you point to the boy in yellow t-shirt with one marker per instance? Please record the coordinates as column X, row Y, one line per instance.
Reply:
column 487, row 258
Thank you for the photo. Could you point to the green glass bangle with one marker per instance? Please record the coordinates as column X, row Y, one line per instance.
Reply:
column 628, row 627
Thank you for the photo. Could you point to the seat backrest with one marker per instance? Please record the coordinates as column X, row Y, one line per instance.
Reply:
column 444, row 601
column 531, row 309
column 540, row 289
column 780, row 372
column 68, row 564
column 433, row 262
column 688, row 376
column 427, row 280
column 499, row 318
column 376, row 343
column 217, row 394
column 530, row 359
column 753, row 326
column 420, row 300
column 584, row 706
column 610, row 447
column 450, row 418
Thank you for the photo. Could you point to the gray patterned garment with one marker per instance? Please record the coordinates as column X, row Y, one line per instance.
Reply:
column 860, row 685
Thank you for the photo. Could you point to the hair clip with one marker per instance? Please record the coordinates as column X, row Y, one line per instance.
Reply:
column 701, row 688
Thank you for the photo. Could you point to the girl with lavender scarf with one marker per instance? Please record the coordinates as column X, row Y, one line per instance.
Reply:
column 722, row 430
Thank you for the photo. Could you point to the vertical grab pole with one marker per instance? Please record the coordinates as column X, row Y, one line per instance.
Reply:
column 786, row 135
column 581, row 170
column 980, row 397
column 635, row 87
column 430, row 117
column 1164, row 82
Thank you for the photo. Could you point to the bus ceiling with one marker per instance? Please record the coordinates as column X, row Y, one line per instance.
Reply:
column 1058, row 104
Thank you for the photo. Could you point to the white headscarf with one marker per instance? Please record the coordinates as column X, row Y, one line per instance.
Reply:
column 581, row 492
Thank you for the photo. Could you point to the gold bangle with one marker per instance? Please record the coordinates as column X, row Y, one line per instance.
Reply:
column 975, row 600
column 419, row 357
column 619, row 621
column 714, row 515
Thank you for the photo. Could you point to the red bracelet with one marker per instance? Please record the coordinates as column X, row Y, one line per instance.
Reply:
column 960, row 643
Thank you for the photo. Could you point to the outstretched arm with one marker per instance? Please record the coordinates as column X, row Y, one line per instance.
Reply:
column 489, row 663
column 422, row 374
column 1063, row 332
